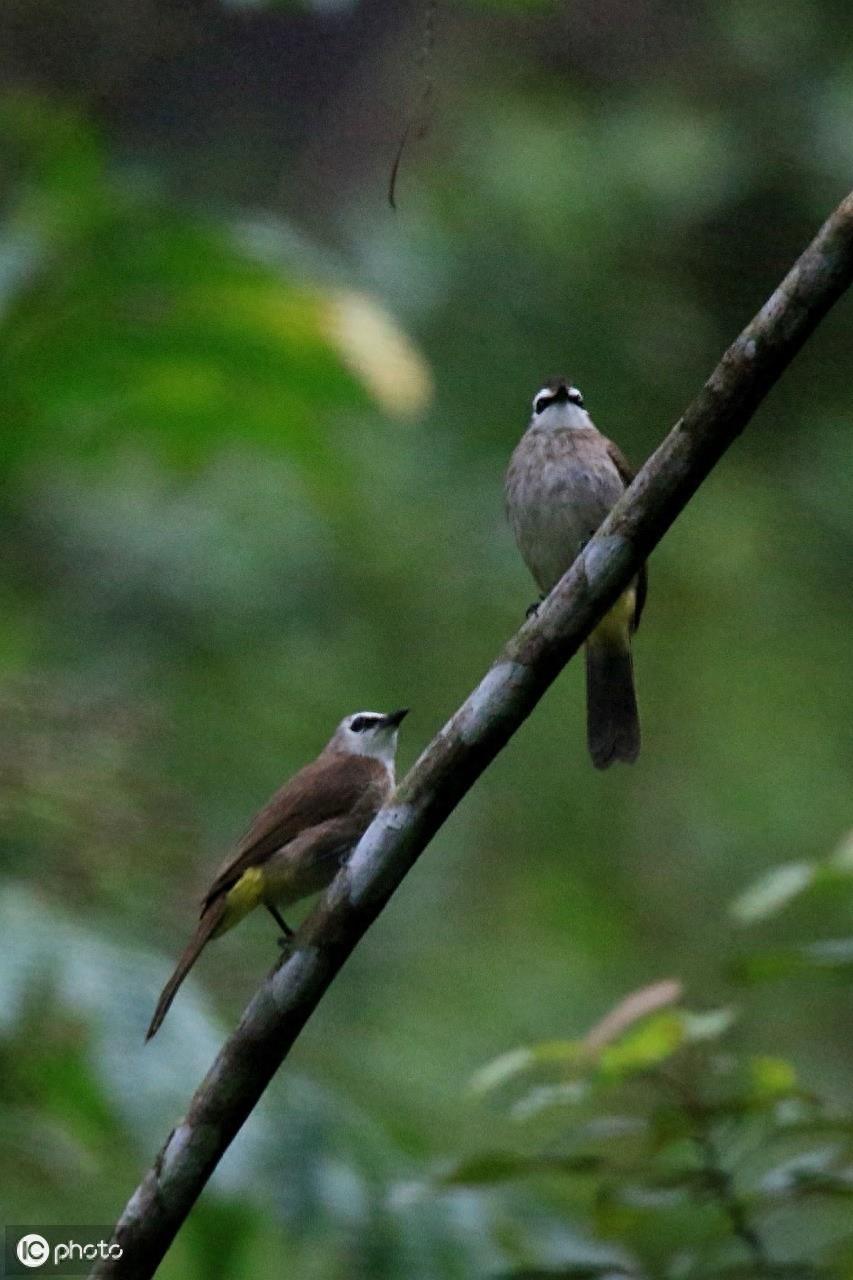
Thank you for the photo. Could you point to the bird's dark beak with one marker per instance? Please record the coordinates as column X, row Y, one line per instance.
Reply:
column 395, row 718
column 561, row 395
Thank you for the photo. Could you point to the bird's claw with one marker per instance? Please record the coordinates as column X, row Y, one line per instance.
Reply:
column 533, row 609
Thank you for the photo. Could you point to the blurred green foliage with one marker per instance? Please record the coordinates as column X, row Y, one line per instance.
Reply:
column 671, row 1144
column 254, row 432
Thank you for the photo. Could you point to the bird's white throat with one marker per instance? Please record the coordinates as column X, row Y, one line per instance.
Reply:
column 562, row 414
column 382, row 746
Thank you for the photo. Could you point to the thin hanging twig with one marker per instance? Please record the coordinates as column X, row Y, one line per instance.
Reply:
column 421, row 117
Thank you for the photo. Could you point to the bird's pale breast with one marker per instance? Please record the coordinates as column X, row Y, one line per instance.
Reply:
column 559, row 487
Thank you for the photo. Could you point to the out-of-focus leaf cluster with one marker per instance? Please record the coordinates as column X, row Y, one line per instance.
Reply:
column 311, row 1172
column 670, row 1146
column 127, row 323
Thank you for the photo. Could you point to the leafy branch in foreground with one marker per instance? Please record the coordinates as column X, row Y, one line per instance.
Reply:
column 467, row 744
column 671, row 1147
column 669, row 1144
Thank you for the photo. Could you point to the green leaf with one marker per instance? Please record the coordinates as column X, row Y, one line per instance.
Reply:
column 547, row 1097
column 519, row 1061
column 819, row 1171
column 771, row 1078
column 783, row 885
column 841, row 859
column 831, row 954
column 711, row 1024
column 773, row 892
column 645, row 1046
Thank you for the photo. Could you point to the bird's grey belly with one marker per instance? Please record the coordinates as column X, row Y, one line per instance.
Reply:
column 554, row 509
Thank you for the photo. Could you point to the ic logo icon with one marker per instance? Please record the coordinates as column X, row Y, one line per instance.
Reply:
column 32, row 1250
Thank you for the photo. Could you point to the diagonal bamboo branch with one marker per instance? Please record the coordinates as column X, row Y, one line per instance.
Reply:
column 466, row 745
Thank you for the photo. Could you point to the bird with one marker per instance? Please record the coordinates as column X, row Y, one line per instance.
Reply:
column 296, row 843
column 563, row 478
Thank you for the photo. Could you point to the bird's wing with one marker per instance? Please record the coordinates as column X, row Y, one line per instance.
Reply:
column 332, row 785
column 620, row 462
column 627, row 472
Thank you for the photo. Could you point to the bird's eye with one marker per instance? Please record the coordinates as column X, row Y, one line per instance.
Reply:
column 541, row 403
column 360, row 723
column 575, row 396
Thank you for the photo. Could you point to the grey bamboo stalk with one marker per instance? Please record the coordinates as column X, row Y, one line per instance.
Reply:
column 471, row 739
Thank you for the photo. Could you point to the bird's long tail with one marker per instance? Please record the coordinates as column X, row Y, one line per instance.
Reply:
column 207, row 925
column 612, row 719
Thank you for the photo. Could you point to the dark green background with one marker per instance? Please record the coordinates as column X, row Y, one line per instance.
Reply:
column 225, row 523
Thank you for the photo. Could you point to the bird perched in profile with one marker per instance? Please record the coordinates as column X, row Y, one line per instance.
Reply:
column 562, row 480
column 296, row 843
